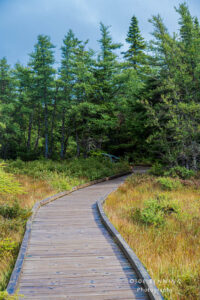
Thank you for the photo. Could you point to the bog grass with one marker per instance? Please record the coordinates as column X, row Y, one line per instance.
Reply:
column 22, row 184
column 160, row 220
column 66, row 174
column 17, row 196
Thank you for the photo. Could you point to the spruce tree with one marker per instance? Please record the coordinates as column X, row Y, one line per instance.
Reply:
column 136, row 43
column 9, row 130
column 26, row 104
column 42, row 60
column 66, row 82
column 107, row 67
column 83, row 91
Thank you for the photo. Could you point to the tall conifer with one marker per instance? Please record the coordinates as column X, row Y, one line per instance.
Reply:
column 136, row 44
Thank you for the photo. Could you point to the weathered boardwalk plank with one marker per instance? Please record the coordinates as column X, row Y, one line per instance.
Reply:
column 72, row 256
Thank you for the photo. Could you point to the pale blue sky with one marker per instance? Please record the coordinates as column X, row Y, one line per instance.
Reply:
column 22, row 20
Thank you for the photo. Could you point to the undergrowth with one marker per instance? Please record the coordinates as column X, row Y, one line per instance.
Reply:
column 161, row 222
column 66, row 174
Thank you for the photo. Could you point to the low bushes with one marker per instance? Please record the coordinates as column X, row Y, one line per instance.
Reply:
column 8, row 185
column 66, row 174
column 4, row 296
column 180, row 172
column 161, row 223
column 14, row 211
column 169, row 184
column 156, row 210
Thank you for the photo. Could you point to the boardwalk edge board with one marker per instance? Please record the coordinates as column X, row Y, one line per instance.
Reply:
column 148, row 283
column 12, row 285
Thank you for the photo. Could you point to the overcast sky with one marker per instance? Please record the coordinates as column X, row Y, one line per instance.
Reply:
column 22, row 20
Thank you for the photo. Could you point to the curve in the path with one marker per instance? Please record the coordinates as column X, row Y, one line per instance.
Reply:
column 72, row 256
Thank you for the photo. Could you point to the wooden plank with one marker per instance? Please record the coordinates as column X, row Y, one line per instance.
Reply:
column 72, row 256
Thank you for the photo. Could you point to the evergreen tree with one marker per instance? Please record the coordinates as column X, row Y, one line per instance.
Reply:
column 172, row 117
column 70, row 43
column 83, row 91
column 42, row 60
column 135, row 54
column 9, row 129
column 26, row 104
column 190, row 44
column 107, row 67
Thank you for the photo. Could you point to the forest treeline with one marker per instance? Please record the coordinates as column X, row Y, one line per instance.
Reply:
column 144, row 103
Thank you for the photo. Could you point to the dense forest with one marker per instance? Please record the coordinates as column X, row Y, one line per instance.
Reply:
column 141, row 104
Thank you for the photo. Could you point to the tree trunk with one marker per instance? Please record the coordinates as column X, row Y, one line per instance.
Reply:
column 38, row 135
column 62, row 135
column 30, row 131
column 52, row 126
column 65, row 146
column 46, row 154
column 77, row 145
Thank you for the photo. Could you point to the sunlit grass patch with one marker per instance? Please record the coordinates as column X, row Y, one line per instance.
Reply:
column 15, row 209
column 163, row 228
column 8, row 184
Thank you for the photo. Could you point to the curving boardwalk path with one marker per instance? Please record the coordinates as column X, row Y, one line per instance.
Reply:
column 72, row 256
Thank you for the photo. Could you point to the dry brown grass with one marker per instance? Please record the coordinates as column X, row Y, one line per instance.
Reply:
column 13, row 229
column 35, row 190
column 171, row 253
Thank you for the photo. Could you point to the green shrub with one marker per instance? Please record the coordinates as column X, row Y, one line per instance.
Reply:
column 156, row 210
column 8, row 225
column 8, row 247
column 62, row 182
column 157, row 169
column 8, row 185
column 64, row 175
column 189, row 284
column 4, row 296
column 168, row 183
column 180, row 172
column 14, row 211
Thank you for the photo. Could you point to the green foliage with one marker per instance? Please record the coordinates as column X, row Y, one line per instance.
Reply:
column 180, row 172
column 189, row 284
column 42, row 60
column 8, row 247
column 168, row 183
column 156, row 210
column 157, row 169
column 146, row 104
column 173, row 102
column 66, row 174
column 135, row 53
column 8, row 185
column 14, row 211
column 5, row 296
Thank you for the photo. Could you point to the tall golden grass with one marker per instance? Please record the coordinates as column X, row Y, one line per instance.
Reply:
column 12, row 230
column 170, row 252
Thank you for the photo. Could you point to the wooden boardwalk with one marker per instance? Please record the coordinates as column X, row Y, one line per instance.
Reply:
column 72, row 256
